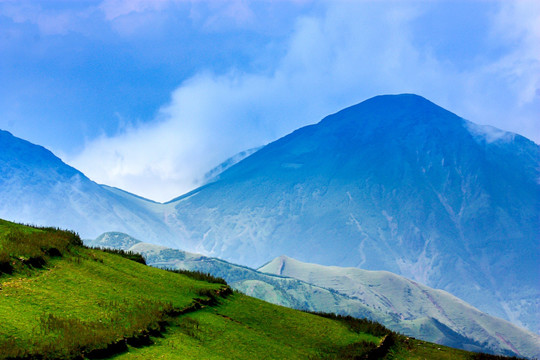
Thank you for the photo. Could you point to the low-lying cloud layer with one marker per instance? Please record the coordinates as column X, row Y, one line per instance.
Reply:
column 336, row 57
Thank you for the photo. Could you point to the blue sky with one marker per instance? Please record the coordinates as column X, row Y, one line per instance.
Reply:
column 149, row 95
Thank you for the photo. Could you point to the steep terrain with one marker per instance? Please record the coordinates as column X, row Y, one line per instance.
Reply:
column 396, row 302
column 394, row 183
column 434, row 315
column 276, row 289
column 214, row 173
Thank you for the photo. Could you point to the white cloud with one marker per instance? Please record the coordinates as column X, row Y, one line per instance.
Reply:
column 351, row 52
column 519, row 23
column 505, row 91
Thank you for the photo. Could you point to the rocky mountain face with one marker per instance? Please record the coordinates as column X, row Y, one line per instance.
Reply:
column 395, row 183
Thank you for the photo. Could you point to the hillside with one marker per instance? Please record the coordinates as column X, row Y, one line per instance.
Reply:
column 78, row 302
column 430, row 314
column 82, row 301
column 278, row 290
column 394, row 183
column 398, row 303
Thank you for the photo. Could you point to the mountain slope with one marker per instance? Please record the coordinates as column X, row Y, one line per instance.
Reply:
column 84, row 303
column 398, row 303
column 37, row 187
column 415, row 302
column 394, row 183
column 214, row 173
column 278, row 290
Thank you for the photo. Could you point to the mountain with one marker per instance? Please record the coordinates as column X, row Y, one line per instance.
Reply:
column 84, row 303
column 394, row 183
column 396, row 302
column 276, row 289
column 424, row 308
column 112, row 240
column 36, row 187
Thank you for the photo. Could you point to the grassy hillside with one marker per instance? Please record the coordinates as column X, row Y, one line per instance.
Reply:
column 398, row 303
column 59, row 300
column 81, row 300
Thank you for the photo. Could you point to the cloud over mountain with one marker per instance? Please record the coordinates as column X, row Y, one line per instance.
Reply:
column 336, row 56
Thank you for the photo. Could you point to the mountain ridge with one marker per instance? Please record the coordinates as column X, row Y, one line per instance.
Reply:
column 37, row 187
column 400, row 295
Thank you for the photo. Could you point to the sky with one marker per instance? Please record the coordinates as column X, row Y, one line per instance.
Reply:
column 148, row 95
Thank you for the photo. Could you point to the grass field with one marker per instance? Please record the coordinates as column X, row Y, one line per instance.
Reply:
column 84, row 300
column 246, row 328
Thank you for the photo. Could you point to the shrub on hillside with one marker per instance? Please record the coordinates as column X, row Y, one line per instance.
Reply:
column 358, row 325
column 198, row 275
column 125, row 254
column 34, row 249
column 58, row 337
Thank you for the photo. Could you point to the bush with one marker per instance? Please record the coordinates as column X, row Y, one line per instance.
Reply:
column 482, row 356
column 70, row 338
column 190, row 326
column 20, row 249
column 198, row 275
column 358, row 325
column 125, row 254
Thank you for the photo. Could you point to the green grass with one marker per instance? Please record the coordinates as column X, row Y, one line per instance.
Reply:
column 24, row 247
column 241, row 327
column 413, row 349
column 85, row 300
column 80, row 302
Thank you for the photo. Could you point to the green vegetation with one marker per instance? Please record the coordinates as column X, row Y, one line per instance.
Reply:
column 199, row 275
column 359, row 325
column 31, row 247
column 83, row 301
column 125, row 254
column 77, row 302
column 241, row 327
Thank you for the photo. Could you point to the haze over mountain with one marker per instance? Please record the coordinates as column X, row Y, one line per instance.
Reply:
column 36, row 187
column 394, row 183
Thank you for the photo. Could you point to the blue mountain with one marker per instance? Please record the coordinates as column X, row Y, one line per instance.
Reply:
column 36, row 187
column 394, row 183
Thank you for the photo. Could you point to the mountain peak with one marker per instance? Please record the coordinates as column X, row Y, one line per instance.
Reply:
column 276, row 265
column 394, row 112
column 398, row 99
